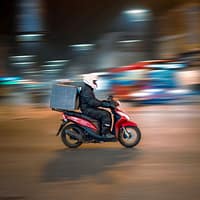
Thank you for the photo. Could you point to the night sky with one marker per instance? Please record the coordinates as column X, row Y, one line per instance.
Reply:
column 80, row 21
column 7, row 13
column 85, row 20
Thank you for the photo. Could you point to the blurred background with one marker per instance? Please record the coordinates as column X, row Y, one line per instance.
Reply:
column 146, row 53
column 43, row 42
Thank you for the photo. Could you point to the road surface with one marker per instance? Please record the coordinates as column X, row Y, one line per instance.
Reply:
column 164, row 166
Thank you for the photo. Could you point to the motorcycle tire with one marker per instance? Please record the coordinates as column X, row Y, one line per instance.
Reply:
column 67, row 139
column 131, row 137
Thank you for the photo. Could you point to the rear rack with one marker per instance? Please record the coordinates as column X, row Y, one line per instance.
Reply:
column 58, row 110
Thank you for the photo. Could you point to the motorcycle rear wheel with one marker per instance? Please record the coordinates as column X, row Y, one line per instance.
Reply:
column 67, row 139
column 129, row 136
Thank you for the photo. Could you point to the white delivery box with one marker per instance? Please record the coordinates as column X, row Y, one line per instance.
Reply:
column 64, row 97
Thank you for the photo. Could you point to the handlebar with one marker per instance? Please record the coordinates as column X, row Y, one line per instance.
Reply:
column 110, row 98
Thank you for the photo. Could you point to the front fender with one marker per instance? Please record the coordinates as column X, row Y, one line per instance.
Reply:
column 61, row 126
column 128, row 123
column 118, row 126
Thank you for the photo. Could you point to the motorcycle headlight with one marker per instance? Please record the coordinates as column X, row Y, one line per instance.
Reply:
column 118, row 103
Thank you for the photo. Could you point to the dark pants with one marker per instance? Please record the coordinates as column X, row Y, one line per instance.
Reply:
column 103, row 116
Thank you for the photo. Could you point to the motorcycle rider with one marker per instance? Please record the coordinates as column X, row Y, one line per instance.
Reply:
column 89, row 104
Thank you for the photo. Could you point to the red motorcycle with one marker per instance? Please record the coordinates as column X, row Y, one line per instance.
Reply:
column 77, row 128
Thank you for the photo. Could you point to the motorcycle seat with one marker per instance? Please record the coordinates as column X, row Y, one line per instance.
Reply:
column 80, row 115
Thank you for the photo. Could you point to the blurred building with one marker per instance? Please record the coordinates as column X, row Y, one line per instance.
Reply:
column 132, row 38
column 179, row 37
column 179, row 30
column 128, row 40
column 120, row 48
column 4, row 49
column 30, row 29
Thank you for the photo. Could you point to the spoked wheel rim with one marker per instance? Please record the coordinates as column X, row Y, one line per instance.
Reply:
column 69, row 138
column 129, row 136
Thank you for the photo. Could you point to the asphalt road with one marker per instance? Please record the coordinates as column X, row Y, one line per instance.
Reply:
column 164, row 166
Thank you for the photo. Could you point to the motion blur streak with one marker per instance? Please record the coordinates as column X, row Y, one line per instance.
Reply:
column 147, row 55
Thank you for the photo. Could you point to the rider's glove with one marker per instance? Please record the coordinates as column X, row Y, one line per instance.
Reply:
column 108, row 104
column 112, row 104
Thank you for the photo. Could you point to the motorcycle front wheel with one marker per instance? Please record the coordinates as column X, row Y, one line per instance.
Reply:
column 68, row 140
column 129, row 136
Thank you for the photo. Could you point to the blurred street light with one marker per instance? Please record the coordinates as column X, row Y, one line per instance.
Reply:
column 82, row 47
column 129, row 41
column 22, row 56
column 52, row 70
column 136, row 11
column 57, row 61
column 24, row 63
column 54, row 65
column 138, row 14
column 30, row 37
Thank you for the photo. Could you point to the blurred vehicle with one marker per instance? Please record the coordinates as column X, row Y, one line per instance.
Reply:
column 8, row 85
column 148, row 81
column 192, row 59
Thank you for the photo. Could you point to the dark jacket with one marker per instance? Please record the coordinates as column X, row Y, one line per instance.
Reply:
column 88, row 99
